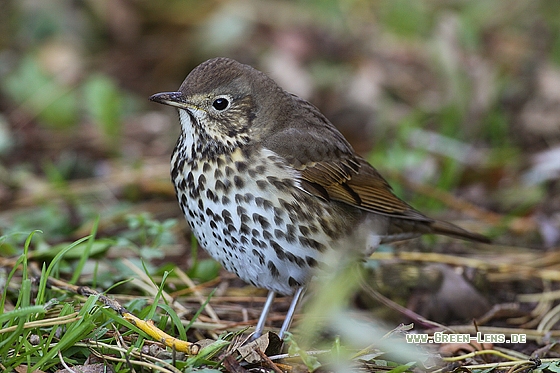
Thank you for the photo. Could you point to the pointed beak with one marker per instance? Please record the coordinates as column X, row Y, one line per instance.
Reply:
column 176, row 99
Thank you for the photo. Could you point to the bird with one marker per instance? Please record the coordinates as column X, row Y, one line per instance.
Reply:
column 269, row 186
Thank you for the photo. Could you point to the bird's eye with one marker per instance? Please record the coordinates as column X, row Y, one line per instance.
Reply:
column 220, row 103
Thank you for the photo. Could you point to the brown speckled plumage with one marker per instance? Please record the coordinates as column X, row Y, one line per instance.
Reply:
column 268, row 184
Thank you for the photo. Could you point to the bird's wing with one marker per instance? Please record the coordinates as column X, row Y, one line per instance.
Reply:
column 330, row 168
column 357, row 183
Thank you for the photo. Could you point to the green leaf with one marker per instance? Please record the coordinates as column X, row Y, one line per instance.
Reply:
column 405, row 18
column 22, row 312
column 205, row 270
column 98, row 247
column 103, row 103
column 207, row 352
column 311, row 362
column 553, row 367
column 402, row 368
column 41, row 95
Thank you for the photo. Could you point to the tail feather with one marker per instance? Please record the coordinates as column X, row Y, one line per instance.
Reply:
column 448, row 229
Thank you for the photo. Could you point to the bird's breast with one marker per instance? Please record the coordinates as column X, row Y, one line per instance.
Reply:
column 249, row 212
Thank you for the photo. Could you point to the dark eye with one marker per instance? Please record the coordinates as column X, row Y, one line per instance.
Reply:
column 220, row 104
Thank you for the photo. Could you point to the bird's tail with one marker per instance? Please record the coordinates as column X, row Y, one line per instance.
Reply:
column 448, row 229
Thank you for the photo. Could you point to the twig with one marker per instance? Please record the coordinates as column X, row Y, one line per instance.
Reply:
column 268, row 362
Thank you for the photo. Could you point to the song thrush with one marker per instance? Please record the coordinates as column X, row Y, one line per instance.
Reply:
column 268, row 185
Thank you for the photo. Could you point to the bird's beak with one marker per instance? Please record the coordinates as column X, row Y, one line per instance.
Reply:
column 176, row 99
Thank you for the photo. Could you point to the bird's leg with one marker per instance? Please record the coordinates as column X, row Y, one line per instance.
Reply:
column 290, row 314
column 264, row 314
